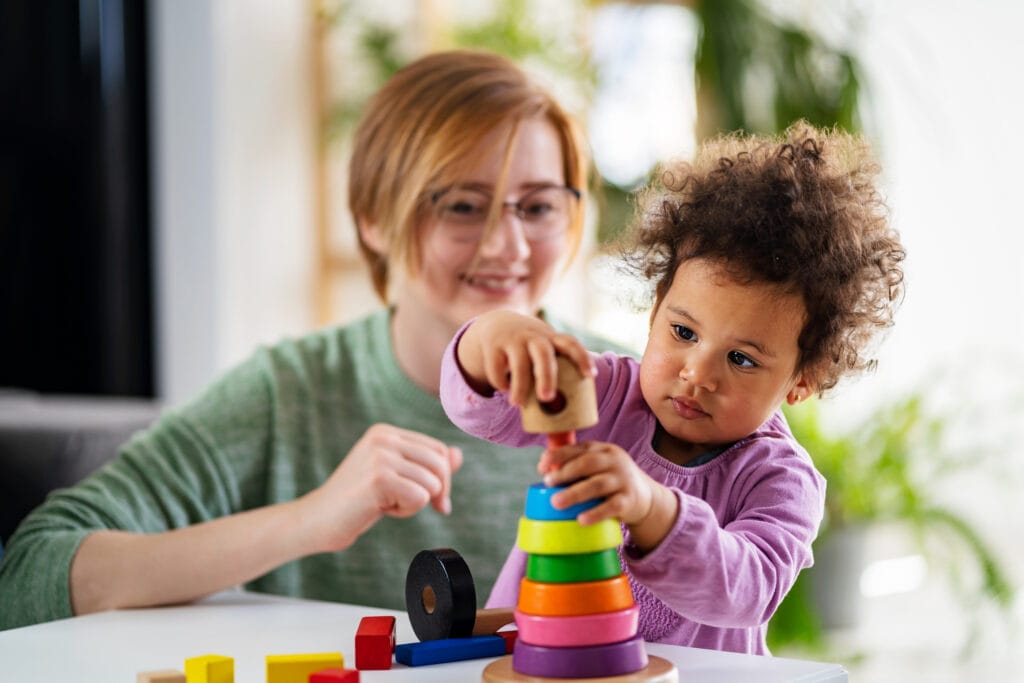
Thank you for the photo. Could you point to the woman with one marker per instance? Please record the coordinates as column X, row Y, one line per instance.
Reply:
column 319, row 467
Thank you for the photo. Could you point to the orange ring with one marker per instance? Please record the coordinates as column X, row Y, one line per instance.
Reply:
column 569, row 599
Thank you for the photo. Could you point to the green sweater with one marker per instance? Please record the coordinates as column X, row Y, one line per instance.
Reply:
column 268, row 431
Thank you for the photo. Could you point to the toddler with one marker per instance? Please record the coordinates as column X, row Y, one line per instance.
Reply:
column 773, row 265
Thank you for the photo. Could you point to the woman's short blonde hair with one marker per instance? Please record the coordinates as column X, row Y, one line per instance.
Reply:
column 419, row 132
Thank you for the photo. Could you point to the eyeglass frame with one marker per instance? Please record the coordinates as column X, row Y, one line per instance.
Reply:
column 518, row 209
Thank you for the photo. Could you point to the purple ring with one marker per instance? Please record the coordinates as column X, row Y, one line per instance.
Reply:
column 593, row 661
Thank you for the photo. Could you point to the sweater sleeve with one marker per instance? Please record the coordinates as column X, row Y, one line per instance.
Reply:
column 735, row 575
column 192, row 465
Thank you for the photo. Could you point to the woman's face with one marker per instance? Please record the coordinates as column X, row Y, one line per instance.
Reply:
column 460, row 278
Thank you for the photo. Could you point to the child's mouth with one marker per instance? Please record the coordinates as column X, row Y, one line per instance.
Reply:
column 688, row 409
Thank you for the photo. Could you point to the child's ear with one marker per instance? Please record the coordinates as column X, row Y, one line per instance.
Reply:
column 803, row 388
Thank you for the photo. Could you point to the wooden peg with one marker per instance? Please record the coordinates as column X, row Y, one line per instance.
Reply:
column 575, row 406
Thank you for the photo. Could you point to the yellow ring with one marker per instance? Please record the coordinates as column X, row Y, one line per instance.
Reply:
column 567, row 537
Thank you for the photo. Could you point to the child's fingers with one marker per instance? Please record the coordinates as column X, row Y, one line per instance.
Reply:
column 611, row 508
column 520, row 371
column 554, row 459
column 545, row 368
column 598, row 485
column 573, row 349
column 496, row 369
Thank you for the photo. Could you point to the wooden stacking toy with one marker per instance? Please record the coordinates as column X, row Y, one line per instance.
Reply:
column 575, row 615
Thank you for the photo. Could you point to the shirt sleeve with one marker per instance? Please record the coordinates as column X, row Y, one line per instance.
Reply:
column 735, row 575
column 194, row 464
column 505, row 592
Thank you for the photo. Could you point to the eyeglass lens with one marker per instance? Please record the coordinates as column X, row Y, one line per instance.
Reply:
column 543, row 212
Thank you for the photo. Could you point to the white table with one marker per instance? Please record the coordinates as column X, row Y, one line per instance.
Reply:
column 113, row 646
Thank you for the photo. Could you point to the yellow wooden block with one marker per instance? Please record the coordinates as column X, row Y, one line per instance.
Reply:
column 162, row 676
column 210, row 669
column 567, row 537
column 297, row 668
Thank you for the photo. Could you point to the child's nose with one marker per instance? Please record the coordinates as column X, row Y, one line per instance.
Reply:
column 698, row 369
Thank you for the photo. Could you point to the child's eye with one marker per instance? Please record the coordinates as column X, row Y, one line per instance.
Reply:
column 741, row 360
column 684, row 333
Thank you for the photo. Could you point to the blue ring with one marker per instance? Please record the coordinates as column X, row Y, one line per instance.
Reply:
column 538, row 504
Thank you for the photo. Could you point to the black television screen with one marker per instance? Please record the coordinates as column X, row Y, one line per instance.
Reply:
column 75, row 222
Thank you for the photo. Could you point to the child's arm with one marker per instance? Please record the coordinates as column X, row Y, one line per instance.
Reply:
column 509, row 352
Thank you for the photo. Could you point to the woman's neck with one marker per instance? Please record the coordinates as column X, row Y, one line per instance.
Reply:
column 419, row 344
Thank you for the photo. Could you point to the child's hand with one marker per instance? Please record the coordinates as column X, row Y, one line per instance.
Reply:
column 595, row 469
column 512, row 352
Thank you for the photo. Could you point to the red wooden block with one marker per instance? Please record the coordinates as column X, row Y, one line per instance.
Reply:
column 375, row 642
column 510, row 639
column 334, row 676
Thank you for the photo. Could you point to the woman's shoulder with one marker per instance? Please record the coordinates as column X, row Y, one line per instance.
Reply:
column 591, row 340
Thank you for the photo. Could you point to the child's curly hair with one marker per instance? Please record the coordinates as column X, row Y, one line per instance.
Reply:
column 801, row 212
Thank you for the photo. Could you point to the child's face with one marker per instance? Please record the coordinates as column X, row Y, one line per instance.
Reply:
column 720, row 359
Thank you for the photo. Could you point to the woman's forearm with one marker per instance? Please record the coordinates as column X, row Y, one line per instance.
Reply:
column 118, row 569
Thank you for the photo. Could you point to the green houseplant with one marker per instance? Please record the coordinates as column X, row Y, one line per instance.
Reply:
column 885, row 471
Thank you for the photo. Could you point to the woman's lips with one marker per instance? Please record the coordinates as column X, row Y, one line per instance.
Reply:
column 494, row 283
column 688, row 409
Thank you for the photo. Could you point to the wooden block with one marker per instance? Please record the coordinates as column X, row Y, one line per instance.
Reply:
column 575, row 408
column 297, row 668
column 163, row 676
column 509, row 636
column 569, row 599
column 210, row 669
column 489, row 620
column 375, row 642
column 335, row 676
column 449, row 650
column 567, row 537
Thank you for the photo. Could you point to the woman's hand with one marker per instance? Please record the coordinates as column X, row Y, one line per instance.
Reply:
column 390, row 471
column 512, row 353
column 595, row 469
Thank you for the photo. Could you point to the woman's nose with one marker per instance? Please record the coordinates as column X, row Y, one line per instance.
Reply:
column 507, row 239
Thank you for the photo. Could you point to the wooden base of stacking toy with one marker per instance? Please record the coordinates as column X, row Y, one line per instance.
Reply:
column 658, row 670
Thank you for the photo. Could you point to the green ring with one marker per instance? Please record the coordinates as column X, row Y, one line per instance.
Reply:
column 573, row 568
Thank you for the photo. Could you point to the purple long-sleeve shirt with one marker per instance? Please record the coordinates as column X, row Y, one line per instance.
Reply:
column 746, row 518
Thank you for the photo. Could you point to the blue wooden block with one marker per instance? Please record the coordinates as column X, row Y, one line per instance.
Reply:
column 538, row 504
column 449, row 650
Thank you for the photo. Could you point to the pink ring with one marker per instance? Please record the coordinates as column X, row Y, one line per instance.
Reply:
column 584, row 629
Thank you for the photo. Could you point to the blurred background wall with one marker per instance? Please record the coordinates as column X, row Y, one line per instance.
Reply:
column 172, row 180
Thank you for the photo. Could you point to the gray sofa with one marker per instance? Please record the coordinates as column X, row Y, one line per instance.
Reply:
column 49, row 442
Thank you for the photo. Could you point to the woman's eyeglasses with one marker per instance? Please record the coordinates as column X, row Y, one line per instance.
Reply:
column 544, row 213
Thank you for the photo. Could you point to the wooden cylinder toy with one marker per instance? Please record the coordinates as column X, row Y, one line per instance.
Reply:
column 575, row 407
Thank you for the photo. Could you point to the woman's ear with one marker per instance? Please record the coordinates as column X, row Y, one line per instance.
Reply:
column 372, row 236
